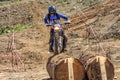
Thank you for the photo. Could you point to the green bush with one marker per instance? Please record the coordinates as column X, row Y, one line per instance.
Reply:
column 14, row 28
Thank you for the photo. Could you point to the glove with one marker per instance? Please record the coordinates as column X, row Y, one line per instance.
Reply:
column 67, row 22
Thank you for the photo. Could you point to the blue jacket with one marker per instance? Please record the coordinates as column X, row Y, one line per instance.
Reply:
column 49, row 18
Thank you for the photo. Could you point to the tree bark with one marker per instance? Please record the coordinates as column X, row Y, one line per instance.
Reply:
column 97, row 67
column 58, row 68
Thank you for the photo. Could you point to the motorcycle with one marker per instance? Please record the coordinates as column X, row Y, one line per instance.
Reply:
column 58, row 39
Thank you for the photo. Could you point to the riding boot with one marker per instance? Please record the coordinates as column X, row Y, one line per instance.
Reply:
column 51, row 44
column 64, row 43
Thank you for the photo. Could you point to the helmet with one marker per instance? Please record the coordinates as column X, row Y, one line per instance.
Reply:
column 51, row 9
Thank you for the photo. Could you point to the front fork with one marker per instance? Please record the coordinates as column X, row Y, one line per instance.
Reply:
column 61, row 41
column 58, row 43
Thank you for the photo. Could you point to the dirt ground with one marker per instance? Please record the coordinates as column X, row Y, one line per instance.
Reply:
column 31, row 45
column 35, row 69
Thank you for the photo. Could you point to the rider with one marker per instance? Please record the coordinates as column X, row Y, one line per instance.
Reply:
column 49, row 19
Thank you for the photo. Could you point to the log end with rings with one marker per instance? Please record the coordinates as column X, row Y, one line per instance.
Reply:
column 64, row 67
column 97, row 67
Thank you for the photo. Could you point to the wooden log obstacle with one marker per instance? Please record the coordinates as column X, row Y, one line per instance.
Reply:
column 64, row 67
column 97, row 67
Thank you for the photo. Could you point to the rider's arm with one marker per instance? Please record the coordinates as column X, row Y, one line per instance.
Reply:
column 64, row 17
column 46, row 20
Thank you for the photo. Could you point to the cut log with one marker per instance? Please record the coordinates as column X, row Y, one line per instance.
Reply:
column 97, row 67
column 64, row 67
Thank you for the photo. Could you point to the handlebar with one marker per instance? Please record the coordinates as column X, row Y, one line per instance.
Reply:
column 60, row 24
column 49, row 25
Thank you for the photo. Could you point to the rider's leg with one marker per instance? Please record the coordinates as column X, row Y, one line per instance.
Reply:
column 62, row 33
column 51, row 40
